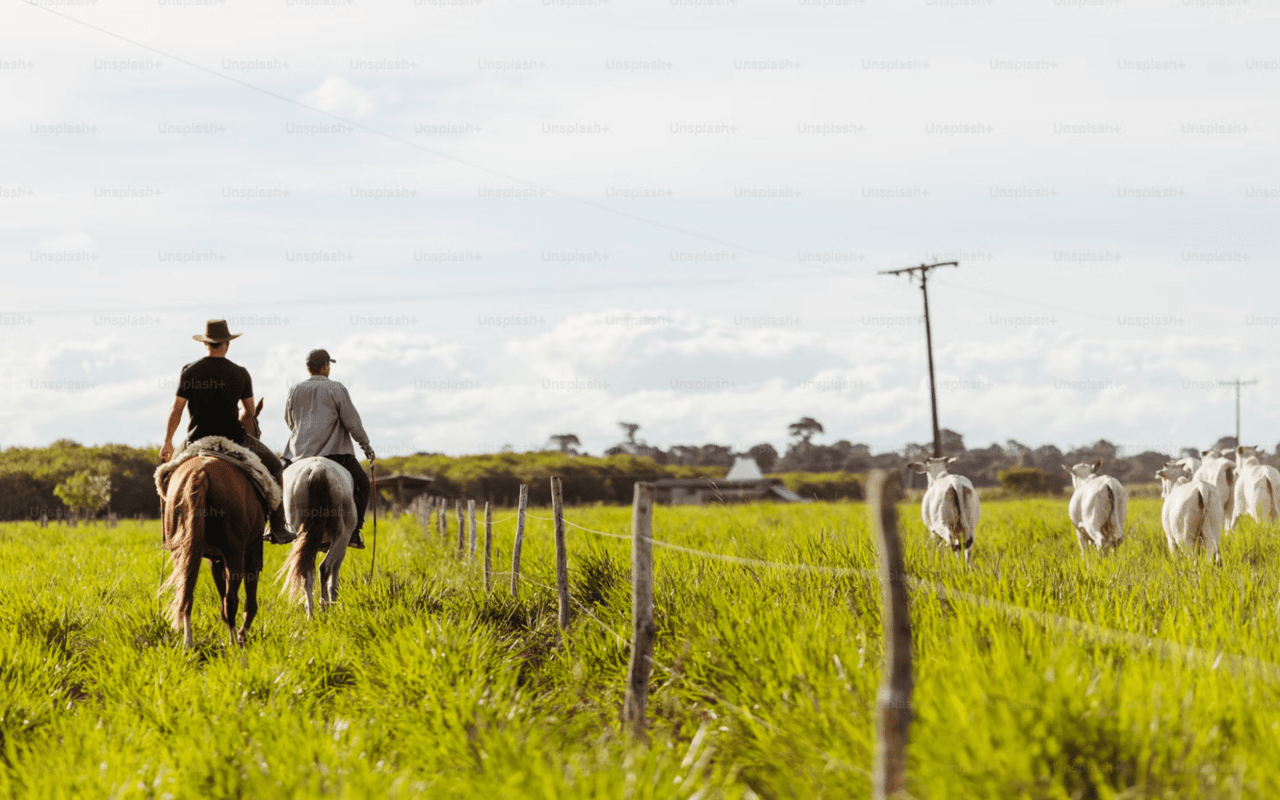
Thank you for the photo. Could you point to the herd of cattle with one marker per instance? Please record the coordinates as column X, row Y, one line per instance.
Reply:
column 1201, row 496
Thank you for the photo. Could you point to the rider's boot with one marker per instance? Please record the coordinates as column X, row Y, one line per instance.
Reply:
column 277, row 530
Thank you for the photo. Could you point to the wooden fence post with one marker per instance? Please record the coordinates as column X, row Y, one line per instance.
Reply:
column 462, row 529
column 893, row 702
column 471, row 545
column 562, row 551
column 642, row 627
column 516, row 546
column 488, row 547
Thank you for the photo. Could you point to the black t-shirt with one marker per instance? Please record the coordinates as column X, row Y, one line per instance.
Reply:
column 213, row 389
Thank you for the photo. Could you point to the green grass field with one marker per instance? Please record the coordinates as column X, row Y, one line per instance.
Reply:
column 419, row 684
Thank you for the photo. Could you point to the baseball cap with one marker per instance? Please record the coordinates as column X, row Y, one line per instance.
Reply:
column 318, row 358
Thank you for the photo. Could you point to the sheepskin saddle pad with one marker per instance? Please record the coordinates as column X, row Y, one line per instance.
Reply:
column 227, row 450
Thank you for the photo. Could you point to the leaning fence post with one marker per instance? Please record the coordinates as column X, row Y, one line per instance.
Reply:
column 642, row 627
column 488, row 547
column 462, row 529
column 893, row 702
column 516, row 546
column 562, row 551
column 471, row 545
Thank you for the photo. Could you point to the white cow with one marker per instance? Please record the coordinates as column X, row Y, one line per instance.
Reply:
column 1257, row 491
column 950, row 507
column 1099, row 507
column 1219, row 470
column 1192, row 513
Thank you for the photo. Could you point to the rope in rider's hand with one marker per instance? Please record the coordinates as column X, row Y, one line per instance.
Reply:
column 373, row 479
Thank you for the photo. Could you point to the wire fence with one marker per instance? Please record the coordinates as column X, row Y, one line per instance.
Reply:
column 676, row 675
column 1212, row 659
column 1235, row 664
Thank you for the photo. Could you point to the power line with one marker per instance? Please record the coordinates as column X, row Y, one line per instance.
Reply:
column 1005, row 296
column 438, row 153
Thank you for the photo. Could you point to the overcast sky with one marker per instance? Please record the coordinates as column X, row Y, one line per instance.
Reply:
column 507, row 220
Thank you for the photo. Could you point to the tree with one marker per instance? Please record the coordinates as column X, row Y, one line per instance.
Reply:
column 85, row 493
column 567, row 443
column 1022, row 480
column 952, row 442
column 805, row 428
column 630, row 429
column 1226, row 444
column 1106, row 450
column 765, row 456
column 916, row 452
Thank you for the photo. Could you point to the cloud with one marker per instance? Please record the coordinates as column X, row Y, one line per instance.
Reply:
column 337, row 95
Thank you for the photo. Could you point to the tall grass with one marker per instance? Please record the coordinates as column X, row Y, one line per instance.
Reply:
column 421, row 684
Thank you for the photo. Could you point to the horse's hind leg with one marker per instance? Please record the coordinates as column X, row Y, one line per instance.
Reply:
column 250, row 605
column 309, row 583
column 329, row 569
column 326, row 576
column 219, row 569
column 234, row 572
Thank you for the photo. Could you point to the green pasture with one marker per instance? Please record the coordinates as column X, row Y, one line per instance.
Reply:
column 419, row 684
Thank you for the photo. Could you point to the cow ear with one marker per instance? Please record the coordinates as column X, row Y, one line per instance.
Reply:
column 952, row 460
column 1160, row 476
column 916, row 466
column 1097, row 465
column 1205, row 453
column 1065, row 468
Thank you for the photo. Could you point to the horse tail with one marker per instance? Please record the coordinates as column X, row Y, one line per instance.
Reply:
column 317, row 517
column 185, row 516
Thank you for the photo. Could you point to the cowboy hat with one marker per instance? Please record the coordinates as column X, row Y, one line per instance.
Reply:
column 215, row 332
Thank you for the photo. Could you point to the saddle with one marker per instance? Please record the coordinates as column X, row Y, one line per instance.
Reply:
column 226, row 450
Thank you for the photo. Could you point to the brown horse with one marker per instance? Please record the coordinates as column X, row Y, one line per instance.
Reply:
column 212, row 511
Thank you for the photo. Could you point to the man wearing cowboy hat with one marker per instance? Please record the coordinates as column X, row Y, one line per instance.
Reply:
column 210, row 389
column 322, row 421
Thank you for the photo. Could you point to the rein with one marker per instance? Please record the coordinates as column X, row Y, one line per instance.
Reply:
column 373, row 554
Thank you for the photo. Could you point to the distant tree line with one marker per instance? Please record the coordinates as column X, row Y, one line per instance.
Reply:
column 69, row 480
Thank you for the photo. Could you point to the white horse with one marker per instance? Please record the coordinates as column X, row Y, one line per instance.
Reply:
column 319, row 503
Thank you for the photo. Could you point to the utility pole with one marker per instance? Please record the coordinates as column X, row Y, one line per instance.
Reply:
column 923, row 271
column 1238, row 383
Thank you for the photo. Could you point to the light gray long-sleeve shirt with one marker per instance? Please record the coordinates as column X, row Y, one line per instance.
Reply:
column 322, row 420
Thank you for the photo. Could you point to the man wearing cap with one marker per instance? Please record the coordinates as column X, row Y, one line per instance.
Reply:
column 210, row 389
column 322, row 421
